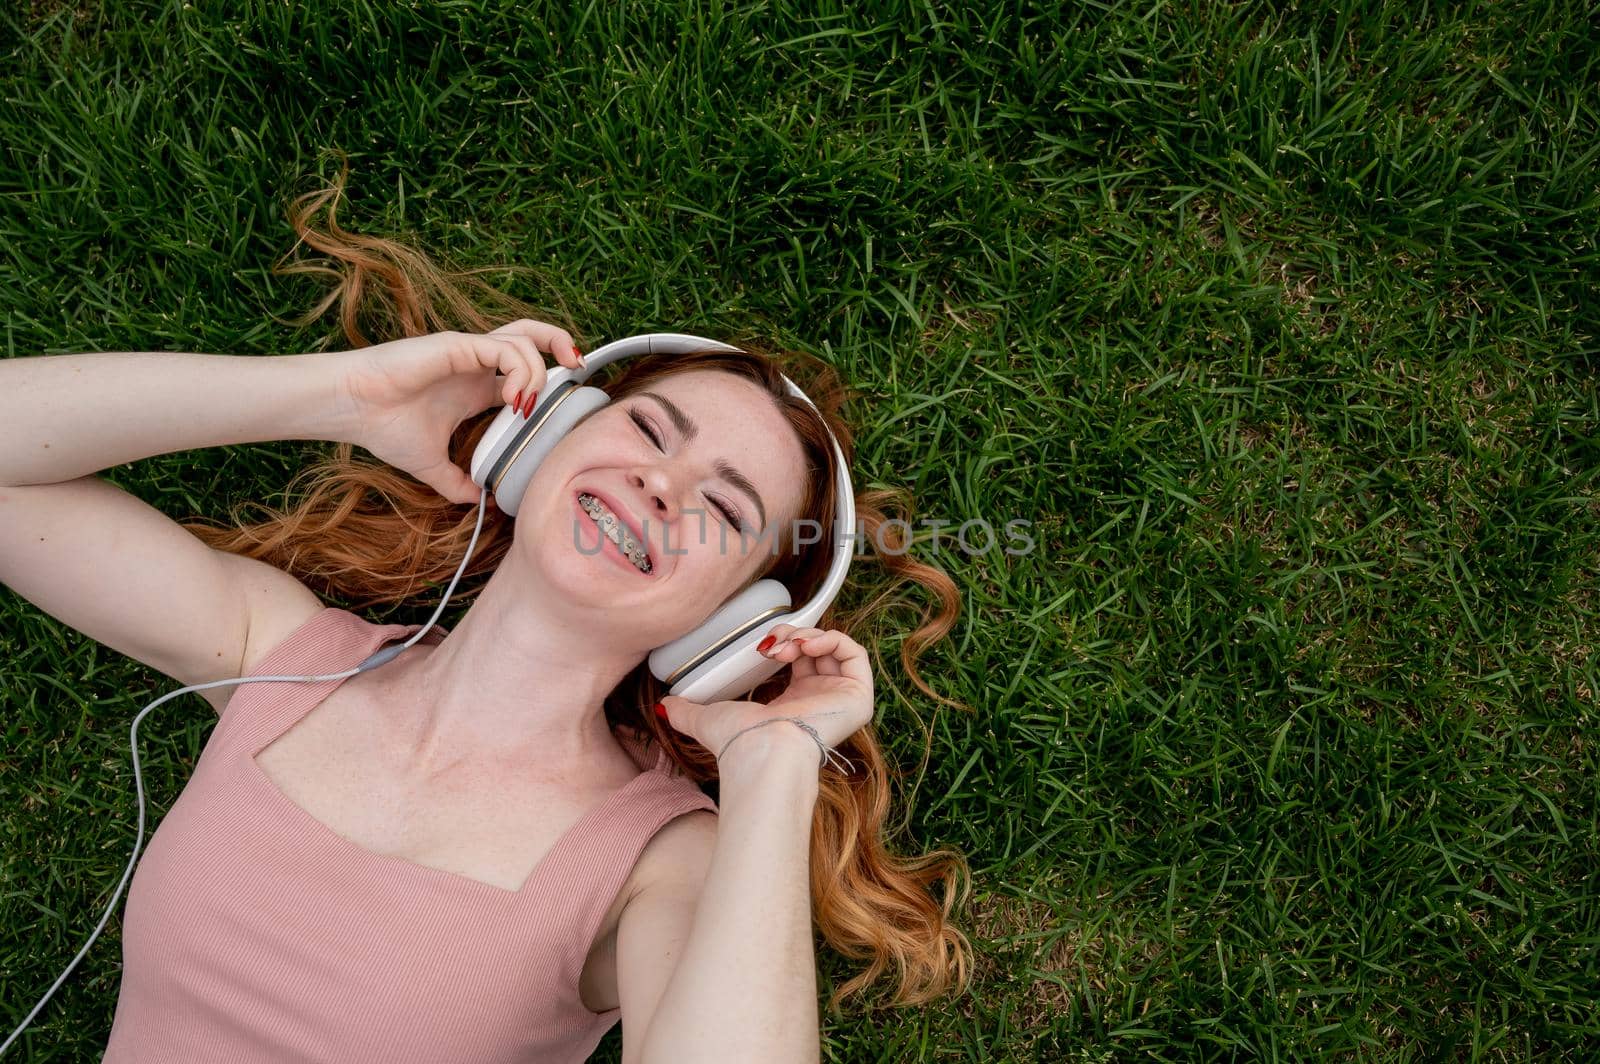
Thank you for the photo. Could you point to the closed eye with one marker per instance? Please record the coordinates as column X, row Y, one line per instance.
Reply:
column 645, row 428
column 730, row 514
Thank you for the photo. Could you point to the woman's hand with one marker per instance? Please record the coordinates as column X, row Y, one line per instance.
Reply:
column 405, row 398
column 830, row 688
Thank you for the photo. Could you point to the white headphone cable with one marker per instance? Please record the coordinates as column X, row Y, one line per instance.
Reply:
column 381, row 657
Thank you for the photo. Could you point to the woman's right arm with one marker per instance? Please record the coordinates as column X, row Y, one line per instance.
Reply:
column 67, row 416
column 104, row 561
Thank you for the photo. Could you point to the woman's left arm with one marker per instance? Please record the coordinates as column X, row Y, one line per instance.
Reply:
column 745, row 986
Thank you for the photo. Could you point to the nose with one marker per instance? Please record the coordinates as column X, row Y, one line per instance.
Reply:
column 656, row 487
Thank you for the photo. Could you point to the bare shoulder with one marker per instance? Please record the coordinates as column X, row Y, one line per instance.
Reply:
column 274, row 602
column 277, row 604
column 678, row 854
column 660, row 894
column 675, row 860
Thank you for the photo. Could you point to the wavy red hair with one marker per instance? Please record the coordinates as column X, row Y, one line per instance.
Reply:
column 369, row 534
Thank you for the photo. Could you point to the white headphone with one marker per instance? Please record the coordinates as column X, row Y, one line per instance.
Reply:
column 715, row 662
column 718, row 660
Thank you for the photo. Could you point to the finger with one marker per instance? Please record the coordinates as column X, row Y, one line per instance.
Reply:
column 787, row 648
column 492, row 388
column 535, row 362
column 549, row 338
column 532, row 360
column 506, row 389
column 776, row 634
column 784, row 648
column 800, row 666
column 501, row 353
column 682, row 714
column 541, row 333
column 452, row 482
column 844, row 656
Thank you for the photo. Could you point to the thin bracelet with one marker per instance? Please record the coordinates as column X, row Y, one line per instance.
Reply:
column 827, row 751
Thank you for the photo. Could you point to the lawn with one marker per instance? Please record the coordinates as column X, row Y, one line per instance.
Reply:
column 1276, row 322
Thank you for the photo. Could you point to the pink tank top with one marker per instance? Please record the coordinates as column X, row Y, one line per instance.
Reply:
column 253, row 932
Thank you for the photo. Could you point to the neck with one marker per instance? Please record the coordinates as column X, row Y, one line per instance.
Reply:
column 510, row 687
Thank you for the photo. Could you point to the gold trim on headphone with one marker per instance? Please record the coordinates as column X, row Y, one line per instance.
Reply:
column 508, row 460
column 709, row 652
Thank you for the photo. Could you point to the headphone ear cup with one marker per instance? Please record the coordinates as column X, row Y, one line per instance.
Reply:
column 530, row 446
column 761, row 605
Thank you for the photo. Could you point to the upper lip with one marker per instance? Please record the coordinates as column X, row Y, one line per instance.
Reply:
column 623, row 514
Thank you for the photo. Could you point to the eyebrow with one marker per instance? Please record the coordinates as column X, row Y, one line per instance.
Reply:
column 688, row 429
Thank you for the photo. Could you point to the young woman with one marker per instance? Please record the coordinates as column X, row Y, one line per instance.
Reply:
column 489, row 848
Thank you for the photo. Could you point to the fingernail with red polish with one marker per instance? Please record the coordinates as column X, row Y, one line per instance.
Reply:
column 762, row 646
column 661, row 711
column 516, row 402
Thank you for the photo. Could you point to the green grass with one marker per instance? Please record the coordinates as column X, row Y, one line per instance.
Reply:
column 1279, row 322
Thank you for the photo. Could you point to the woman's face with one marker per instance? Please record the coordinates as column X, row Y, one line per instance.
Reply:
column 722, row 459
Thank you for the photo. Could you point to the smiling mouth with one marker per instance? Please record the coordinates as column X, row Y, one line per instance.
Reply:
column 623, row 543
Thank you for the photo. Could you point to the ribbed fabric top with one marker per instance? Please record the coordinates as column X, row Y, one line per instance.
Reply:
column 253, row 932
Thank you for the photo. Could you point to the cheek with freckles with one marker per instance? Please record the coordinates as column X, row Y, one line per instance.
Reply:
column 707, row 578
